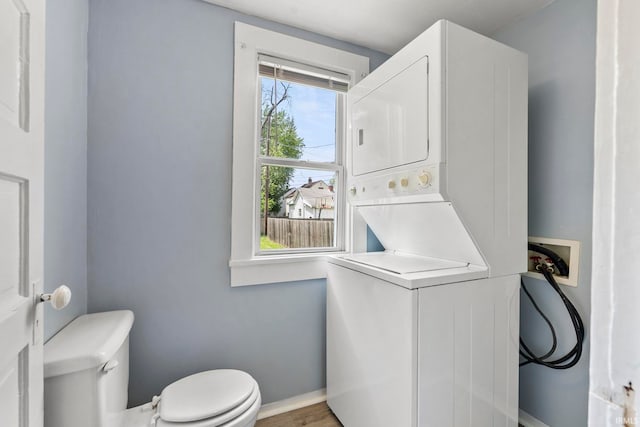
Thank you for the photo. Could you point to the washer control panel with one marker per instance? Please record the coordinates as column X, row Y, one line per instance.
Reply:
column 421, row 181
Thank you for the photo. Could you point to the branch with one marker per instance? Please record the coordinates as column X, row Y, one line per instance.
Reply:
column 274, row 105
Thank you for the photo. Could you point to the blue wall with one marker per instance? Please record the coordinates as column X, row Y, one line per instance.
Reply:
column 65, row 170
column 560, row 41
column 159, row 185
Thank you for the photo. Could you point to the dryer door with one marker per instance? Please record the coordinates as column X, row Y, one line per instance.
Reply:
column 390, row 124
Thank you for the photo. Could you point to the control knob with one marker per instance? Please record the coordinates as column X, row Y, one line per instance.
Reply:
column 424, row 178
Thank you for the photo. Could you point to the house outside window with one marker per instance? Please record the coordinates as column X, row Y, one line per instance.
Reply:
column 288, row 201
column 316, row 198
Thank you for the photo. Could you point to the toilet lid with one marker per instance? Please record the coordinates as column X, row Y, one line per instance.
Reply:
column 221, row 420
column 205, row 395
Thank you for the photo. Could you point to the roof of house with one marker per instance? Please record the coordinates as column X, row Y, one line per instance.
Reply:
column 314, row 197
column 312, row 183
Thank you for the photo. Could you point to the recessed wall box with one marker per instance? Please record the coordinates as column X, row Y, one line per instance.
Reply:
column 568, row 250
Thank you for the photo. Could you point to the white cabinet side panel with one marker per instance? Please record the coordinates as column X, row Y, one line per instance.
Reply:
column 486, row 128
column 371, row 348
column 468, row 354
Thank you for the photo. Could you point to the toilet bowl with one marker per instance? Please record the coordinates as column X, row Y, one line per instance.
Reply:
column 199, row 401
column 86, row 368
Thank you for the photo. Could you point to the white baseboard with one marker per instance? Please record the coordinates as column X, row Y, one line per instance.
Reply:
column 528, row 420
column 292, row 403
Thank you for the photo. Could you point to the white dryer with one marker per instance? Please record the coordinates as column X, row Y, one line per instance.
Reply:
column 426, row 332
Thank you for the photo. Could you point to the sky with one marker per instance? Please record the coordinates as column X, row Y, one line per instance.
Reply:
column 314, row 112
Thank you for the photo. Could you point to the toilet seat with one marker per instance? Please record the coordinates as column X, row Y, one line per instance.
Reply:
column 207, row 399
column 241, row 417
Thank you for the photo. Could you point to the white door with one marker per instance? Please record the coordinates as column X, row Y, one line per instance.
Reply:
column 615, row 291
column 21, row 204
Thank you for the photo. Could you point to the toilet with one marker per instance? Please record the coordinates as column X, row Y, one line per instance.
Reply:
column 86, row 370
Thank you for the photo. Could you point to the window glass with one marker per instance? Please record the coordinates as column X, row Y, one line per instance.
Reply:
column 298, row 115
column 297, row 121
column 297, row 208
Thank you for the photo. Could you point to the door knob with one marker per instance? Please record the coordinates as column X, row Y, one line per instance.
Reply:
column 59, row 298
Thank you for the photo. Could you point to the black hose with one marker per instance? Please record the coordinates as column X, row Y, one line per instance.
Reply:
column 554, row 338
column 573, row 356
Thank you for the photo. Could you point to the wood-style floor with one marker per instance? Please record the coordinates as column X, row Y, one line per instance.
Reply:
column 318, row 415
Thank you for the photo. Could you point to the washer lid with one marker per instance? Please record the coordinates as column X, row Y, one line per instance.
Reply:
column 205, row 395
column 403, row 263
column 432, row 230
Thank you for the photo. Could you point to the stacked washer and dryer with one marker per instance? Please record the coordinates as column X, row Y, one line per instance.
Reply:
column 426, row 332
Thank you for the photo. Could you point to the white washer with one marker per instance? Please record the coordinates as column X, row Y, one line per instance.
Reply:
column 436, row 355
column 426, row 333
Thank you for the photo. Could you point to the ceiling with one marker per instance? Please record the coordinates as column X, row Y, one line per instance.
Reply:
column 385, row 25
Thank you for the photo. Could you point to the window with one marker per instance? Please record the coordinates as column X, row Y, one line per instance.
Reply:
column 299, row 156
column 288, row 180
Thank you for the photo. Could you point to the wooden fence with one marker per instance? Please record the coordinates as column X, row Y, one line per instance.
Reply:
column 300, row 233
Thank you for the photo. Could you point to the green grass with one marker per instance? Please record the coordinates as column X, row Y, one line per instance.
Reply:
column 267, row 243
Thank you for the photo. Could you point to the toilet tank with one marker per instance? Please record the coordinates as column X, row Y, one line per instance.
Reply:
column 86, row 370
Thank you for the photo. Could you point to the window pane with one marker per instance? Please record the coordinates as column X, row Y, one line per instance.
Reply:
column 297, row 121
column 297, row 208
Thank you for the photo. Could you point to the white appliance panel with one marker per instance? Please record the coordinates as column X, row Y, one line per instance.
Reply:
column 371, row 350
column 399, row 185
column 427, row 229
column 390, row 124
column 487, row 146
column 468, row 353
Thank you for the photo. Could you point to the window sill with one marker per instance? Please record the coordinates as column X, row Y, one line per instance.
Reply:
column 278, row 268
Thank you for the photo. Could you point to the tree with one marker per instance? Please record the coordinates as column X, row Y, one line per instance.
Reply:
column 279, row 138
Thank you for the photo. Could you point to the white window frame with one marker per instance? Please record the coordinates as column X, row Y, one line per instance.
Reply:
column 248, row 266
